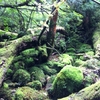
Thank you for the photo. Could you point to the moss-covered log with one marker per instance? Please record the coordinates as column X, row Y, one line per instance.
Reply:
column 7, row 35
column 8, row 52
column 89, row 93
column 96, row 40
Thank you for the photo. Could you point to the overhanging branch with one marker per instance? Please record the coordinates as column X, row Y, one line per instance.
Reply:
column 96, row 1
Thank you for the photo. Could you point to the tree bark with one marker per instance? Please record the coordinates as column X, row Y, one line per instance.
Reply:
column 51, row 33
column 8, row 52
column 96, row 40
column 89, row 93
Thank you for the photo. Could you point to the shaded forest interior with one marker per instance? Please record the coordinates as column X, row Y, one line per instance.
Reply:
column 49, row 49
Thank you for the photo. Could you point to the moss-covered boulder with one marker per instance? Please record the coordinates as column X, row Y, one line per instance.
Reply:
column 21, row 76
column 27, row 93
column 35, row 84
column 37, row 74
column 68, row 80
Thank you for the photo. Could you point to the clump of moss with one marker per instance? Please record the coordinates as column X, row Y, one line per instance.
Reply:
column 21, row 76
column 5, row 93
column 79, row 62
column 18, row 65
column 27, row 93
column 29, row 56
column 35, row 84
column 37, row 74
column 84, row 48
column 67, row 81
column 29, row 52
column 66, row 59
column 47, row 70
column 9, row 73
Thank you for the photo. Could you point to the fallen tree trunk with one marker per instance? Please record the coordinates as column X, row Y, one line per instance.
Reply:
column 96, row 40
column 8, row 35
column 8, row 52
column 89, row 93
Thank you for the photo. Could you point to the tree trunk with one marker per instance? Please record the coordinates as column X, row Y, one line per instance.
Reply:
column 51, row 33
column 89, row 93
column 8, row 52
column 96, row 41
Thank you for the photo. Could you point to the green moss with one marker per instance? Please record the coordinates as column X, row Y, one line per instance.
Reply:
column 90, row 53
column 47, row 70
column 27, row 93
column 84, row 48
column 35, row 84
column 18, row 58
column 29, row 52
column 68, row 80
column 5, row 93
column 91, row 63
column 42, row 50
column 9, row 35
column 50, row 64
column 6, row 65
column 37, row 74
column 21, row 76
column 79, row 62
column 71, row 50
column 5, row 86
column 90, row 78
column 66, row 59
column 96, row 39
column 29, row 61
column 9, row 72
column 18, row 65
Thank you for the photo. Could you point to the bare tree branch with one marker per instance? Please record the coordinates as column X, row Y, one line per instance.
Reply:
column 96, row 1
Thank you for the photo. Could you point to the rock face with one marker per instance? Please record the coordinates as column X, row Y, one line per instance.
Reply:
column 67, row 81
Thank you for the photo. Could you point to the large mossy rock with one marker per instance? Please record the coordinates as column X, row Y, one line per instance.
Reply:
column 37, row 74
column 21, row 76
column 67, row 81
column 35, row 85
column 27, row 93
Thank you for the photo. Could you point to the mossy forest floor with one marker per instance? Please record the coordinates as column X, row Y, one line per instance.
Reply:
column 72, row 66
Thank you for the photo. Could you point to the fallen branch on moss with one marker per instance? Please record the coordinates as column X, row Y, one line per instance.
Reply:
column 89, row 93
